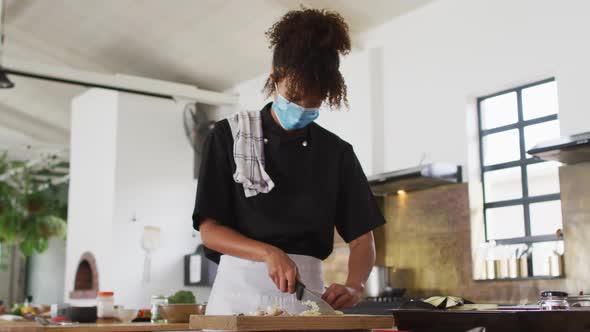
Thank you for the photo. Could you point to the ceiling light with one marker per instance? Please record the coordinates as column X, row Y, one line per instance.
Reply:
column 401, row 192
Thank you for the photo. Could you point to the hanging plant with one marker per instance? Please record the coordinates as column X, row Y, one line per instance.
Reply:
column 31, row 210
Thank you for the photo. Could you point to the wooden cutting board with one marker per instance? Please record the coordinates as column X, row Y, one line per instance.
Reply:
column 290, row 323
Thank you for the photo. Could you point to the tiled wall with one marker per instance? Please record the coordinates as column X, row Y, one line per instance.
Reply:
column 427, row 244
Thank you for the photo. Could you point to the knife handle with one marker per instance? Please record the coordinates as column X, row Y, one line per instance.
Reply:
column 299, row 289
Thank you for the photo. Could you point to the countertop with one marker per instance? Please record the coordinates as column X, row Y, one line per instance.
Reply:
column 572, row 320
column 6, row 326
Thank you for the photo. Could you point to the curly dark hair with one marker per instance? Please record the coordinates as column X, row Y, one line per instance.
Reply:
column 307, row 45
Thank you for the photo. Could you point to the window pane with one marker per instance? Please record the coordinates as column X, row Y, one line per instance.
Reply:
column 542, row 252
column 499, row 111
column 543, row 178
column 545, row 217
column 503, row 184
column 505, row 222
column 501, row 147
column 539, row 100
column 540, row 132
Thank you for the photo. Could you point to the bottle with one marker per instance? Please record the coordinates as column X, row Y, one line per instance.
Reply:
column 105, row 305
column 28, row 301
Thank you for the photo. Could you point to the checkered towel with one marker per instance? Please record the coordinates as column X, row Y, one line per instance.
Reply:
column 246, row 129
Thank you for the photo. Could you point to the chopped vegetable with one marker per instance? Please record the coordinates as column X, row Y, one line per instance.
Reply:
column 270, row 311
column 314, row 309
column 144, row 313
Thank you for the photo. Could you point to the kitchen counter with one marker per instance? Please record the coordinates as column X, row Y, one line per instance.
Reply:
column 6, row 326
column 572, row 320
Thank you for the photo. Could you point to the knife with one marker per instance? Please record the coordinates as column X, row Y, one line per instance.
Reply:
column 303, row 294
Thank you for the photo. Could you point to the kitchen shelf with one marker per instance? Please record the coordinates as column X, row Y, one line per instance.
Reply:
column 568, row 150
column 520, row 279
column 415, row 178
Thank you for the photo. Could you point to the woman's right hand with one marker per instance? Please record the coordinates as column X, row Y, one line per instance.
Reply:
column 282, row 270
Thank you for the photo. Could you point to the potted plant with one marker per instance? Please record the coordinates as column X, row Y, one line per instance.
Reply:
column 31, row 210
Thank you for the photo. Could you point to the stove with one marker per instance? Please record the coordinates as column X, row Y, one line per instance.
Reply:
column 380, row 305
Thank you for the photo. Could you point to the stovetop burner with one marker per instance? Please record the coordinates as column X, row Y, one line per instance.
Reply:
column 384, row 299
column 376, row 305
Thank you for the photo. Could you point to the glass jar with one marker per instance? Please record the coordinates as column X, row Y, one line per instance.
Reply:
column 156, row 302
column 553, row 300
column 105, row 305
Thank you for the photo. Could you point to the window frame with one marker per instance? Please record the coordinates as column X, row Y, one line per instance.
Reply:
column 525, row 201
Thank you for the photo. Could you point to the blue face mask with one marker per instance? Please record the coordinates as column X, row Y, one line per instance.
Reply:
column 292, row 116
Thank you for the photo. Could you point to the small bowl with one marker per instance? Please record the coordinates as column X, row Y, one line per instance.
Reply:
column 126, row 315
column 181, row 313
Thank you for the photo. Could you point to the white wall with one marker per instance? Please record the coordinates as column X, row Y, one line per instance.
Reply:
column 47, row 269
column 441, row 57
column 154, row 182
column 130, row 158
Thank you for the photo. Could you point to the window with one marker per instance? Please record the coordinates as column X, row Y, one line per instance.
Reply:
column 521, row 194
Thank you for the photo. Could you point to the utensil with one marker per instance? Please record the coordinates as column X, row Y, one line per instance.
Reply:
column 303, row 294
column 42, row 320
column 150, row 241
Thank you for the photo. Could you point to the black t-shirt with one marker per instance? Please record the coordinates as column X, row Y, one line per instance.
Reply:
column 319, row 185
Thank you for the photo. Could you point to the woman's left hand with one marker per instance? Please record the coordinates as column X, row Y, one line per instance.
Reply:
column 341, row 296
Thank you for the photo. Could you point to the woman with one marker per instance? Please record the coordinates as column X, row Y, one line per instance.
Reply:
column 279, row 229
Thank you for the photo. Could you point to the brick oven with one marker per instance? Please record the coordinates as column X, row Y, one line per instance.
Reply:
column 86, row 278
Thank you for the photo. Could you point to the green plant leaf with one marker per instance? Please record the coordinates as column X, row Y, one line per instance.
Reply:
column 29, row 216
column 42, row 244
column 27, row 247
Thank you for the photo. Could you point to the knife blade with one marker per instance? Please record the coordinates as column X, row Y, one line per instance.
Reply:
column 303, row 294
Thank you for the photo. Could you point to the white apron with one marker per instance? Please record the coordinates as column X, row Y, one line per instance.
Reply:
column 243, row 286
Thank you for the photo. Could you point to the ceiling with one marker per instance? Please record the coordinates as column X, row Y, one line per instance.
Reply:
column 213, row 44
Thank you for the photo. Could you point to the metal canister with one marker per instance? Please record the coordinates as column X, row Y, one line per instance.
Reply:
column 377, row 282
column 553, row 300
